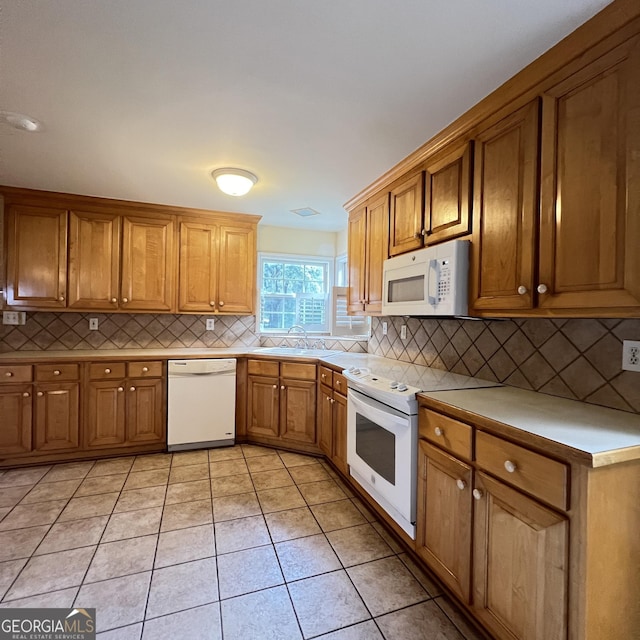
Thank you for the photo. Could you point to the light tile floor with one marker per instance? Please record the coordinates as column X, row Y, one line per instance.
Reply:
column 241, row 543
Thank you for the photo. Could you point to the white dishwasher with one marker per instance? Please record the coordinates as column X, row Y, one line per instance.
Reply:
column 201, row 404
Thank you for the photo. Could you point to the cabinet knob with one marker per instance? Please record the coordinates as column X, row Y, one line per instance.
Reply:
column 477, row 494
column 438, row 431
column 61, row 298
column 461, row 484
column 56, row 372
column 212, row 303
column 328, row 399
column 275, row 386
column 323, row 375
column 510, row 466
column 114, row 300
column 125, row 299
column 132, row 388
column 221, row 303
column 522, row 290
column 107, row 370
column 332, row 400
column 120, row 389
column 25, row 394
column 145, row 369
column 282, row 386
column 542, row 288
column 40, row 394
column 9, row 374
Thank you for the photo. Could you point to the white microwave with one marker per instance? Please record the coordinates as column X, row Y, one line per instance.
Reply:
column 428, row 282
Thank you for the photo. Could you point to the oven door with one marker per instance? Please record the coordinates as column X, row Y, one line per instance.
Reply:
column 382, row 456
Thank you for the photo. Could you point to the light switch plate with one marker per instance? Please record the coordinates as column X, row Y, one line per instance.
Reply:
column 14, row 317
column 211, row 323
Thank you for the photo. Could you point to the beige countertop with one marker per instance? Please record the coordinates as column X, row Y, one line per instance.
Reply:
column 595, row 435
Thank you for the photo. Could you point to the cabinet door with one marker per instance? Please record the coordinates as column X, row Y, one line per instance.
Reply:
column 198, row 267
column 444, row 517
column 263, row 406
column 56, row 423
column 520, row 565
column 145, row 411
column 505, row 210
column 325, row 421
column 340, row 433
column 448, row 194
column 94, row 260
column 15, row 409
column 36, row 257
column 377, row 251
column 237, row 274
column 298, row 410
column 356, row 257
column 106, row 415
column 147, row 264
column 406, row 217
column 590, row 189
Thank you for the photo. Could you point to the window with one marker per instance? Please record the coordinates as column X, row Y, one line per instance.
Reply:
column 294, row 290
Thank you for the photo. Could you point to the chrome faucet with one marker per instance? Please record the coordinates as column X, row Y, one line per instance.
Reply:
column 300, row 342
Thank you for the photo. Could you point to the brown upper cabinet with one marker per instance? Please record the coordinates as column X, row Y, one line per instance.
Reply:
column 368, row 244
column 433, row 205
column 37, row 257
column 217, row 267
column 120, row 262
column 83, row 254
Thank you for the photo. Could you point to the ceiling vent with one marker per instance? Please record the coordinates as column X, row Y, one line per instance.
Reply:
column 305, row 212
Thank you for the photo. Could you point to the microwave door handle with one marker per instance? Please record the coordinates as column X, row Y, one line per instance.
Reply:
column 433, row 268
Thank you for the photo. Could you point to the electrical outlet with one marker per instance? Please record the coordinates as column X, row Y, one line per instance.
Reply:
column 385, row 328
column 93, row 324
column 403, row 332
column 211, row 323
column 631, row 355
column 14, row 317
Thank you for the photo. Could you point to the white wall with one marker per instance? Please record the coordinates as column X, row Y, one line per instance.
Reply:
column 304, row 242
column 341, row 242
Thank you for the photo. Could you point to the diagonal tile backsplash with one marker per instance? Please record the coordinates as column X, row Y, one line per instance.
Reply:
column 578, row 358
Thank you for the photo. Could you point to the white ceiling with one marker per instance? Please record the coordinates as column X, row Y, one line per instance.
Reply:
column 141, row 99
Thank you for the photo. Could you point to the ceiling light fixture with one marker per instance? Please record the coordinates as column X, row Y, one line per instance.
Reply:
column 234, row 182
column 305, row 212
column 21, row 121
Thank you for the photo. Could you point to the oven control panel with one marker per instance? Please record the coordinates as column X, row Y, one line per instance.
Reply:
column 383, row 389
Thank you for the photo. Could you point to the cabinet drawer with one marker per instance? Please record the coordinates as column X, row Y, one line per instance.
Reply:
column 263, row 368
column 15, row 373
column 57, row 372
column 325, row 375
column 340, row 383
column 298, row 370
column 453, row 436
column 536, row 474
column 106, row 370
column 151, row 369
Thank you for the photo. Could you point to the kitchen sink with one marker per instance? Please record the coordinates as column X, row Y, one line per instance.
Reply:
column 296, row 351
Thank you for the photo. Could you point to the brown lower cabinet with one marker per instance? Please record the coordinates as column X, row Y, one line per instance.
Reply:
column 281, row 403
column 534, row 546
column 332, row 418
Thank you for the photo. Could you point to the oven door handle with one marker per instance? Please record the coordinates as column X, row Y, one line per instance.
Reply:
column 378, row 412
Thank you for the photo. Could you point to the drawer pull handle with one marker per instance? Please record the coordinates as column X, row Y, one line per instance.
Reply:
column 107, row 370
column 438, row 431
column 25, row 394
column 9, row 374
column 132, row 388
column 56, row 372
column 510, row 466
column 145, row 369
column 461, row 484
column 120, row 389
column 40, row 394
column 477, row 494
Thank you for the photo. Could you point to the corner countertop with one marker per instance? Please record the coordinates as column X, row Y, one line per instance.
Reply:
column 585, row 432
